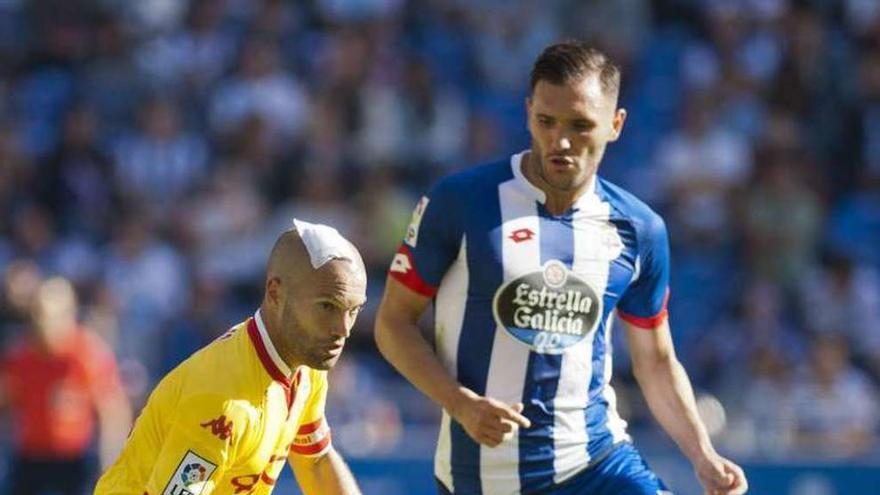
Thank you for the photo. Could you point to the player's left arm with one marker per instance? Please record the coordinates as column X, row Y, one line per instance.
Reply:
column 325, row 474
column 319, row 469
column 670, row 397
column 662, row 378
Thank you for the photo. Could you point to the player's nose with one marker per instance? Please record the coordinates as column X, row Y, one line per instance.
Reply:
column 341, row 327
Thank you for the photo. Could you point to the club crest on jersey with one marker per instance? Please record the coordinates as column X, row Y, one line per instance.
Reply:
column 549, row 309
column 191, row 475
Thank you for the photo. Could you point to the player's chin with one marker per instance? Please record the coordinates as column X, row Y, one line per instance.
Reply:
column 323, row 362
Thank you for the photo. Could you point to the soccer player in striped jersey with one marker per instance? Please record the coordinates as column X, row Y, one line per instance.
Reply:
column 526, row 261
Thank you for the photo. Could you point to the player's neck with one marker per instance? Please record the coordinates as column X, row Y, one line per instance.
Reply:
column 556, row 201
column 272, row 328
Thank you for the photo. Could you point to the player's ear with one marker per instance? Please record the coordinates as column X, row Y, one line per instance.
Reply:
column 617, row 123
column 274, row 288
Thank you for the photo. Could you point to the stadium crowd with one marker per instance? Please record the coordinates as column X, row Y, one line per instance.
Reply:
column 151, row 151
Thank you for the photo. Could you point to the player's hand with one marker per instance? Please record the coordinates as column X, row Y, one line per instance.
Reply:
column 720, row 476
column 488, row 421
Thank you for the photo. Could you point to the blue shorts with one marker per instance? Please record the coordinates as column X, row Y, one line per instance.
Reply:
column 622, row 472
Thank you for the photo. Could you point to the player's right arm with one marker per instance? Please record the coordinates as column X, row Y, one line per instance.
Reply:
column 180, row 449
column 431, row 245
column 486, row 420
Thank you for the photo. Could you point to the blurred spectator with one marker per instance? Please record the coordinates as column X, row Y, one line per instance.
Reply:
column 149, row 284
column 57, row 380
column 763, row 411
column 261, row 86
column 194, row 56
column 74, row 185
column 782, row 216
column 836, row 408
column 701, row 164
column 412, row 122
column 160, row 162
column 21, row 279
column 758, row 326
column 843, row 298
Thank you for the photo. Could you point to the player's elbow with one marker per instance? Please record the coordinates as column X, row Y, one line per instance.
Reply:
column 653, row 365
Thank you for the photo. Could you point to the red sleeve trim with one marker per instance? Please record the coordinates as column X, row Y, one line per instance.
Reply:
column 404, row 271
column 312, row 449
column 649, row 322
column 308, row 428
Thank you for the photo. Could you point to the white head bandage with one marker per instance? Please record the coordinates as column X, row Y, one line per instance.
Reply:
column 324, row 243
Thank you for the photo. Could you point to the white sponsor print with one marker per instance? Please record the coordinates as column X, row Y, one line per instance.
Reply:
column 191, row 475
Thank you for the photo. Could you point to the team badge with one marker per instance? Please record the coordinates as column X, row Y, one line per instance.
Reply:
column 191, row 475
column 549, row 309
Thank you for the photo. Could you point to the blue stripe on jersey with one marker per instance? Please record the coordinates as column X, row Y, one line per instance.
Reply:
column 600, row 437
column 536, row 449
column 477, row 335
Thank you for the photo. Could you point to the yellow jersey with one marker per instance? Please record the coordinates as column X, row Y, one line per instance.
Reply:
column 223, row 422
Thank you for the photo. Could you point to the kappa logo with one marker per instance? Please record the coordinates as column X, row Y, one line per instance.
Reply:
column 219, row 427
column 192, row 474
column 521, row 235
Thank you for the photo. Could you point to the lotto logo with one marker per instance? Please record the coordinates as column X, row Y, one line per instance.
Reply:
column 521, row 235
column 401, row 263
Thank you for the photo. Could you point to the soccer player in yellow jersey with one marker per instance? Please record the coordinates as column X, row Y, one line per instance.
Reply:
column 226, row 419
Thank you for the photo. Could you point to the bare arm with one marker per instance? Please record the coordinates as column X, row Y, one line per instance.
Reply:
column 114, row 420
column 486, row 420
column 670, row 397
column 324, row 475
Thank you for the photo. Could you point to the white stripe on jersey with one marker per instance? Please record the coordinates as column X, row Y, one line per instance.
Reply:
column 452, row 297
column 510, row 358
column 616, row 424
column 591, row 262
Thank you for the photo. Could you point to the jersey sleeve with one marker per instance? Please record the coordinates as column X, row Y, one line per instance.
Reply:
column 644, row 302
column 431, row 242
column 313, row 434
column 204, row 437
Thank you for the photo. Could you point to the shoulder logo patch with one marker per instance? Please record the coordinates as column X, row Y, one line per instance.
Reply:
column 412, row 232
column 192, row 474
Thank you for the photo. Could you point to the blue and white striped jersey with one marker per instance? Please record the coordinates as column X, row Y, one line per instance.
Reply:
column 524, row 304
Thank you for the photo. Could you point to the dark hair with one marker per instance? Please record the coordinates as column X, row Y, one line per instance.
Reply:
column 571, row 61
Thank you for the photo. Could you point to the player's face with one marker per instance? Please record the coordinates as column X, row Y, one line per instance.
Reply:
column 571, row 124
column 319, row 314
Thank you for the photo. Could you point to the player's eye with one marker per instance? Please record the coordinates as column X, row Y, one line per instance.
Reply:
column 545, row 121
column 327, row 306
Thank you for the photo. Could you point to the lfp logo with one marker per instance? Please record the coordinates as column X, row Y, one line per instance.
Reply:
column 193, row 473
column 548, row 310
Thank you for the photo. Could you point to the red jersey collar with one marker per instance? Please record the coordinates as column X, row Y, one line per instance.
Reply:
column 275, row 366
